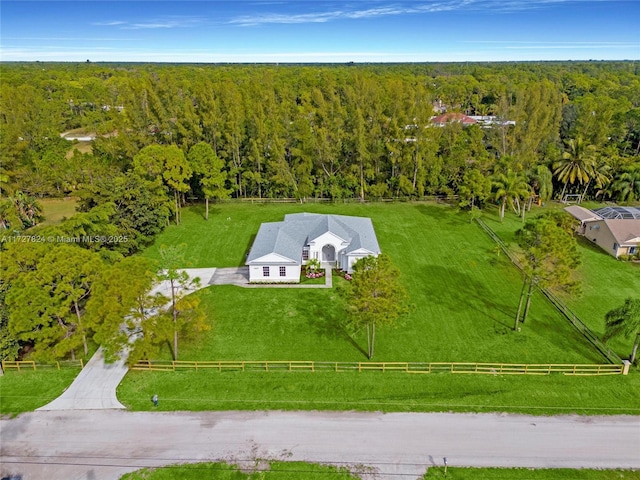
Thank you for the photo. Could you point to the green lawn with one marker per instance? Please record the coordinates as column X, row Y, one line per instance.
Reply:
column 298, row 470
column 376, row 391
column 606, row 282
column 530, row 474
column 463, row 295
column 223, row 471
column 463, row 298
column 28, row 390
column 56, row 209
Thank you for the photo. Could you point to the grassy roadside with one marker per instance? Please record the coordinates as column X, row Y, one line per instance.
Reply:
column 297, row 470
column 387, row 392
column 223, row 471
column 26, row 391
column 456, row 473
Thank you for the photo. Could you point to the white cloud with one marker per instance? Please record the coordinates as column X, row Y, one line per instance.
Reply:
column 109, row 24
column 163, row 22
column 402, row 8
column 342, row 14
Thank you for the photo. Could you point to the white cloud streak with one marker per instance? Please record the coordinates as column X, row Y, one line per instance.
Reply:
column 394, row 9
column 160, row 23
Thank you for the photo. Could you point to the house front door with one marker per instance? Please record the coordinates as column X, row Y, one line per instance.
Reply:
column 328, row 253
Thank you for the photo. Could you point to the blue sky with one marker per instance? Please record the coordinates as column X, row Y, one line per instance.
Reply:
column 319, row 31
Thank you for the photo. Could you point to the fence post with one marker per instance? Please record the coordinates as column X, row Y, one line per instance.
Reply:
column 626, row 364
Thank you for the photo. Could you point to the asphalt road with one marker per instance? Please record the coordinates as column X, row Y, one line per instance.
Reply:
column 104, row 444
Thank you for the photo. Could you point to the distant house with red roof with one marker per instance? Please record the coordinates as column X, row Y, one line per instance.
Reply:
column 450, row 117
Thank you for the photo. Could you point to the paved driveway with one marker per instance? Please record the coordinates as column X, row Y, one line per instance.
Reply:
column 104, row 444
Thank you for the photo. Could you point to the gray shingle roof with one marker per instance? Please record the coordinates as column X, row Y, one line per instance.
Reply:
column 619, row 213
column 298, row 229
column 625, row 231
column 582, row 213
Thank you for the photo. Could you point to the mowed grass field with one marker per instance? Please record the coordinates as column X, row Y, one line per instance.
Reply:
column 27, row 390
column 463, row 297
column 297, row 470
column 605, row 281
column 463, row 294
column 56, row 209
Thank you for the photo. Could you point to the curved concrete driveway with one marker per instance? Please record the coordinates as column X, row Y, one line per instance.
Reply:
column 95, row 386
column 105, row 444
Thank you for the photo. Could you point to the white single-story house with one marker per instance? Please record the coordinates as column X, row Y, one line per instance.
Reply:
column 614, row 229
column 281, row 248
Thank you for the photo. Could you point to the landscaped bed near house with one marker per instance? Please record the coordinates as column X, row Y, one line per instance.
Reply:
column 310, row 277
column 463, row 296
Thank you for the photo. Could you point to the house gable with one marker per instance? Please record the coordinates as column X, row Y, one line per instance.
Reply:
column 337, row 239
column 273, row 259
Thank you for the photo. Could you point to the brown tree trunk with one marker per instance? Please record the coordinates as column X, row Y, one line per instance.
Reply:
column 176, row 204
column 529, row 293
column 84, row 336
column 524, row 286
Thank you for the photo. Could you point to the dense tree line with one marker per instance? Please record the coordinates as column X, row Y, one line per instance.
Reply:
column 327, row 131
column 164, row 133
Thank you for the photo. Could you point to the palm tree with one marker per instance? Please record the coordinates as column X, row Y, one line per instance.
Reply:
column 624, row 321
column 510, row 188
column 599, row 176
column 28, row 208
column 543, row 182
column 576, row 164
column 626, row 185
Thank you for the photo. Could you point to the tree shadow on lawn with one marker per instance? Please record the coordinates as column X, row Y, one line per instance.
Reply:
column 591, row 246
column 328, row 323
column 460, row 299
column 201, row 209
column 440, row 213
column 428, row 393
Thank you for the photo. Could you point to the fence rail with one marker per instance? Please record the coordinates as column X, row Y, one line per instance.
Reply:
column 312, row 366
column 32, row 365
column 430, row 198
column 405, row 367
column 578, row 324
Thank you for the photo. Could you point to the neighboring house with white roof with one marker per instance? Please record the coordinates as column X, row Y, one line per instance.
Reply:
column 281, row 248
column 614, row 229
